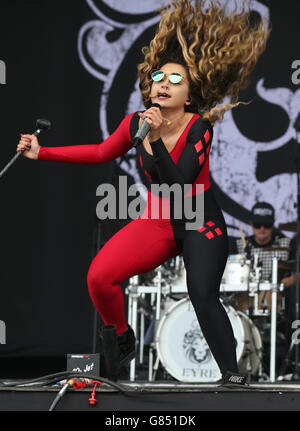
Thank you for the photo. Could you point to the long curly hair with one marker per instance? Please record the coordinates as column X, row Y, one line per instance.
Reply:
column 218, row 51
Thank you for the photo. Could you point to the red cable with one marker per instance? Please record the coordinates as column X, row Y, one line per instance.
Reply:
column 92, row 400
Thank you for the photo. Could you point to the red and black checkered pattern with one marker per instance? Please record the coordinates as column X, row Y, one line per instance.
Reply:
column 210, row 230
column 202, row 147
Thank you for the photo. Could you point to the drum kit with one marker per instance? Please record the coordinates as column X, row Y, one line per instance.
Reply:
column 163, row 318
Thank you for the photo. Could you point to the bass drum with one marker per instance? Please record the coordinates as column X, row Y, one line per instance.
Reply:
column 184, row 353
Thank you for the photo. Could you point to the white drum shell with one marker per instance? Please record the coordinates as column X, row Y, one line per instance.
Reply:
column 184, row 352
column 237, row 270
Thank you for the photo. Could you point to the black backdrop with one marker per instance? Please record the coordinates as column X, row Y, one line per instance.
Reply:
column 48, row 218
column 48, row 210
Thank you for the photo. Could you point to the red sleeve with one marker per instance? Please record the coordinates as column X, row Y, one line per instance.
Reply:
column 117, row 144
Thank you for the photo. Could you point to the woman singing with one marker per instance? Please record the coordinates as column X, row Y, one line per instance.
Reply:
column 194, row 61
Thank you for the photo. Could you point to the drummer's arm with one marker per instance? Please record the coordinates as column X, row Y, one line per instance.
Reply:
column 290, row 281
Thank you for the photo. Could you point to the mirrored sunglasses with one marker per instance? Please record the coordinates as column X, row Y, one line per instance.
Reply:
column 174, row 77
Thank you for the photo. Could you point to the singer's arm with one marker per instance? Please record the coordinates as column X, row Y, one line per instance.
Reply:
column 192, row 158
column 117, row 144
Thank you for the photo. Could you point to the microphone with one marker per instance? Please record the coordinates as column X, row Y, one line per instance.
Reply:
column 41, row 125
column 143, row 130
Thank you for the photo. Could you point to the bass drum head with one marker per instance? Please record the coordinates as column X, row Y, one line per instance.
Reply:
column 182, row 349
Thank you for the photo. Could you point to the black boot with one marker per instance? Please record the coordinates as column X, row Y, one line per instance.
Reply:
column 118, row 350
column 108, row 336
column 126, row 341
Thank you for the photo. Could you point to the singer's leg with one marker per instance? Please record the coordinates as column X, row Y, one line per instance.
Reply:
column 141, row 246
column 205, row 254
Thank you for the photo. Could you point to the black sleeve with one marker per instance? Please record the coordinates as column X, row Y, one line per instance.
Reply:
column 192, row 158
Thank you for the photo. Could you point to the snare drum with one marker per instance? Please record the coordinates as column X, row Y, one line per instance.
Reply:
column 236, row 273
column 237, row 270
column 184, row 353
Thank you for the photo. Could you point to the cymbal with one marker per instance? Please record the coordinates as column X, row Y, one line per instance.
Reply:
column 287, row 264
column 277, row 248
column 291, row 226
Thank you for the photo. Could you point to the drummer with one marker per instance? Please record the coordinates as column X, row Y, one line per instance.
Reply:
column 264, row 241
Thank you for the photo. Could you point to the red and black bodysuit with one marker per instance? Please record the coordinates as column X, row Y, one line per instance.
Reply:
column 145, row 243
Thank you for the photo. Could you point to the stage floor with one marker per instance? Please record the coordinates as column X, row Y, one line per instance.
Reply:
column 159, row 398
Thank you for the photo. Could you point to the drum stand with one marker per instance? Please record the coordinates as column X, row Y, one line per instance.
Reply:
column 256, row 312
column 274, row 290
column 273, row 334
column 135, row 291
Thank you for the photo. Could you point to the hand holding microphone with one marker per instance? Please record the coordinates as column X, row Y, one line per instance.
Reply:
column 151, row 125
column 28, row 145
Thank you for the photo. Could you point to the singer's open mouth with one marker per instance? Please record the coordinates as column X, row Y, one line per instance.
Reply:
column 163, row 96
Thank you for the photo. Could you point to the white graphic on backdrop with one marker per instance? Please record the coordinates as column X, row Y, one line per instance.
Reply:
column 233, row 160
